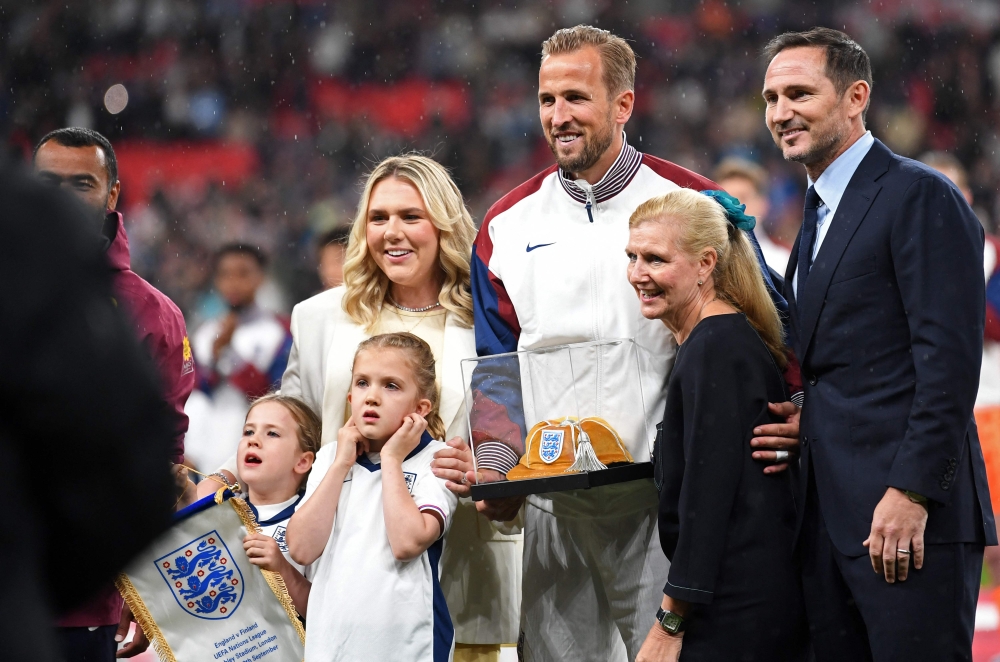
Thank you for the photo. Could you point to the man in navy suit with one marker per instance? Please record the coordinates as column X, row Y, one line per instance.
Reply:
column 886, row 292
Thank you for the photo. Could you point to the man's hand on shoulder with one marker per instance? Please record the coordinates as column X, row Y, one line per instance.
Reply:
column 897, row 535
column 498, row 510
column 773, row 438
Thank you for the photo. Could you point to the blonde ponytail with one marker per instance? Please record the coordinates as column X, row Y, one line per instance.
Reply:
column 702, row 224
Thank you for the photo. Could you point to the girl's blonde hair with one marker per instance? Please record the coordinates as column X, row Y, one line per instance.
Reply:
column 367, row 286
column 702, row 224
column 310, row 427
column 422, row 363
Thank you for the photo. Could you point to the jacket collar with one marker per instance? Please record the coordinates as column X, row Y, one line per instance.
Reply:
column 614, row 180
column 118, row 252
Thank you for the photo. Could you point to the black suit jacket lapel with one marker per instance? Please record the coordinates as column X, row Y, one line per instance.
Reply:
column 850, row 214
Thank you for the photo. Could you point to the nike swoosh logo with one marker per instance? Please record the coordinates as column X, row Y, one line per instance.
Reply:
column 531, row 248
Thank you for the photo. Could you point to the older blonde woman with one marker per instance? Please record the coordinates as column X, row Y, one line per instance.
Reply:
column 733, row 589
column 407, row 269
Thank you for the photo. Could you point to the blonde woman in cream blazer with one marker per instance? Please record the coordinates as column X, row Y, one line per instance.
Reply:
column 407, row 269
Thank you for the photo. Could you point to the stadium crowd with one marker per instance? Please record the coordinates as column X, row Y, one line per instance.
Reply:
column 455, row 80
column 240, row 166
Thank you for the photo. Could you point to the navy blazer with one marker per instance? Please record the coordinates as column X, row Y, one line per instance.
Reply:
column 889, row 332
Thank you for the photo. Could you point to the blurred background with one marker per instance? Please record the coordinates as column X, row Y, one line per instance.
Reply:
column 253, row 120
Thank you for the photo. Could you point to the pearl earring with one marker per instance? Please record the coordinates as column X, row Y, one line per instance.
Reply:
column 700, row 282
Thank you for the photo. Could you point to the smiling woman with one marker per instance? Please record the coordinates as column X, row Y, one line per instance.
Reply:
column 410, row 244
column 720, row 518
column 406, row 270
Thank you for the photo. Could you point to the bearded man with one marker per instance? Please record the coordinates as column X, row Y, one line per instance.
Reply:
column 549, row 268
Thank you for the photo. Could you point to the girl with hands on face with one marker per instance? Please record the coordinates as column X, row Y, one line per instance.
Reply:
column 374, row 516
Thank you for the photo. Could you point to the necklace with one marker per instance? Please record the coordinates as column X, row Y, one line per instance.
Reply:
column 413, row 310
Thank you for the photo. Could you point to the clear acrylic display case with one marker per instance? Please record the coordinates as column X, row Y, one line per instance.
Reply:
column 509, row 394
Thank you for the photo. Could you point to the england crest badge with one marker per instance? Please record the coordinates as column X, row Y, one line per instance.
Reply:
column 203, row 577
column 551, row 446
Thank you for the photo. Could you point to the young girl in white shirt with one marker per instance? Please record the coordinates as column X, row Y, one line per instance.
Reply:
column 276, row 452
column 374, row 516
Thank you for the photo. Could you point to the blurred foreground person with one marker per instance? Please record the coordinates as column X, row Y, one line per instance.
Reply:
column 747, row 182
column 83, row 162
column 721, row 519
column 988, row 397
column 886, row 296
column 85, row 439
column 240, row 356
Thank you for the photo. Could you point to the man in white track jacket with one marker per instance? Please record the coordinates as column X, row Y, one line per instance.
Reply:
column 549, row 268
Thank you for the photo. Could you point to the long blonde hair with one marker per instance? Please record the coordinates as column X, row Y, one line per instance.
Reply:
column 367, row 286
column 702, row 224
column 422, row 362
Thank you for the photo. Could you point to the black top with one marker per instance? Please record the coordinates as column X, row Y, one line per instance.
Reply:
column 721, row 519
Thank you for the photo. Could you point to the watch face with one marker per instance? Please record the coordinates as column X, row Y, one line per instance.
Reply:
column 671, row 622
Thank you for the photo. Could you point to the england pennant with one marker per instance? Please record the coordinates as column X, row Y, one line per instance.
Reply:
column 197, row 596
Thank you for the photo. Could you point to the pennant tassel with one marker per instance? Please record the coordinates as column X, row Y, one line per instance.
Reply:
column 586, row 457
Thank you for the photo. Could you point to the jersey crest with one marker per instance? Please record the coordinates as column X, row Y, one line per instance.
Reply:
column 279, row 536
column 411, row 480
column 550, row 448
column 203, row 577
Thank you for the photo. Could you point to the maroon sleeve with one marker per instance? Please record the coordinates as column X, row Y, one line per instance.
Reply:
column 171, row 351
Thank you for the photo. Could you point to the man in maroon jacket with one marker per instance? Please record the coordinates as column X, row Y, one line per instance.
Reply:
column 83, row 161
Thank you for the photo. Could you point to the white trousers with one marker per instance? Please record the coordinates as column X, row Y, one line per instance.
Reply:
column 591, row 585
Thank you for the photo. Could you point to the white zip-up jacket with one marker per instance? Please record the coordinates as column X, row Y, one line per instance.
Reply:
column 549, row 268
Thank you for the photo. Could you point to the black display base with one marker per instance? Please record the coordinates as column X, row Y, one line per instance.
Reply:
column 581, row 481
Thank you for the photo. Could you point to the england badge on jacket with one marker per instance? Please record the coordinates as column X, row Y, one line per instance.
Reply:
column 197, row 597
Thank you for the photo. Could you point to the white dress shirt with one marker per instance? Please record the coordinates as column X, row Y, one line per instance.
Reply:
column 830, row 187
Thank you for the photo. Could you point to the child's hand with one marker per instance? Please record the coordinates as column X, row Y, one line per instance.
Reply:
column 405, row 439
column 263, row 551
column 350, row 445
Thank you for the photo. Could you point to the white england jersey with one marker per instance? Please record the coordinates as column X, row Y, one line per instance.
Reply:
column 273, row 522
column 364, row 605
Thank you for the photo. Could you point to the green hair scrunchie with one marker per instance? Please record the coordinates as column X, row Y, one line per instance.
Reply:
column 735, row 210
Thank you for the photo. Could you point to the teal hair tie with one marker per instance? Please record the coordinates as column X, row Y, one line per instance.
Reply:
column 735, row 210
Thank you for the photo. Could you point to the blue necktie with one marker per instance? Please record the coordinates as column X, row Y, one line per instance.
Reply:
column 810, row 218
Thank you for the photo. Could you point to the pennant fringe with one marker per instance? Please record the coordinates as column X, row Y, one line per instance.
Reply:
column 143, row 618
column 273, row 579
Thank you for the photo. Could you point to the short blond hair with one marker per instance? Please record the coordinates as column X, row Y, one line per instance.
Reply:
column 702, row 224
column 367, row 286
column 734, row 167
column 617, row 57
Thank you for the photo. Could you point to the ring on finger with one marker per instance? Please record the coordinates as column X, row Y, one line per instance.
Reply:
column 780, row 456
column 904, row 552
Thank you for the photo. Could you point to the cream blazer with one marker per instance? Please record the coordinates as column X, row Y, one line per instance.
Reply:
column 481, row 567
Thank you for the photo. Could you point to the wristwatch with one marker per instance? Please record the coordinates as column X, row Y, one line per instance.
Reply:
column 669, row 621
